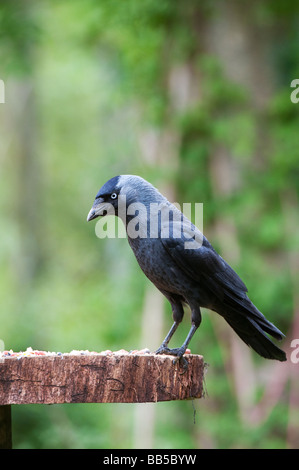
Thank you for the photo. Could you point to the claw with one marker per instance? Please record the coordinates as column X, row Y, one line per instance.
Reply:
column 162, row 350
column 172, row 352
column 178, row 352
column 182, row 362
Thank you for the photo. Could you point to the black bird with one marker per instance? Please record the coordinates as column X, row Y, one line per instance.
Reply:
column 193, row 274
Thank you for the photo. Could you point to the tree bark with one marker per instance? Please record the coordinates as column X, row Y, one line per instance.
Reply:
column 95, row 378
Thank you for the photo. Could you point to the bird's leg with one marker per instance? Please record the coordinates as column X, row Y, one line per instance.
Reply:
column 163, row 348
column 178, row 352
column 177, row 314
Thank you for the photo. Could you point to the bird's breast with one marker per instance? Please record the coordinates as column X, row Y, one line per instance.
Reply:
column 157, row 265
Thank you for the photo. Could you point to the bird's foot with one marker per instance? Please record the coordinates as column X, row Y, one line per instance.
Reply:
column 172, row 352
column 178, row 352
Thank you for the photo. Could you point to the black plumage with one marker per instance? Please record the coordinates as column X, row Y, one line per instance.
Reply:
column 198, row 277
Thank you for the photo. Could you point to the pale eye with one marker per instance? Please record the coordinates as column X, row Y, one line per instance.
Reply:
column 113, row 196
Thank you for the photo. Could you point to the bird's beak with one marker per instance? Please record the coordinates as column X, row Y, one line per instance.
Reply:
column 98, row 209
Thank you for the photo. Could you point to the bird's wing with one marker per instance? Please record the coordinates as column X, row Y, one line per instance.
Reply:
column 225, row 292
column 205, row 265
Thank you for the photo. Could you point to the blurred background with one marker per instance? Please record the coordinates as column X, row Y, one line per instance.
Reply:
column 195, row 97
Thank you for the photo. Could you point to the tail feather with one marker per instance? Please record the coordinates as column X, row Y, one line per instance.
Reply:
column 251, row 333
column 251, row 326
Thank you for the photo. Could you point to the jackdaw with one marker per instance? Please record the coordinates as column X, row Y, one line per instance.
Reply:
column 182, row 264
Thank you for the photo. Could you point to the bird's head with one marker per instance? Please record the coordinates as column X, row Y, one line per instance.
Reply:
column 123, row 190
column 106, row 200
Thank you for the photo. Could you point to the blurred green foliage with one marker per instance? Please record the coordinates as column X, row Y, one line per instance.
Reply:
column 83, row 81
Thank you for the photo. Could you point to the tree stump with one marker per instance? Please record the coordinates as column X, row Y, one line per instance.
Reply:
column 94, row 378
column 115, row 378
